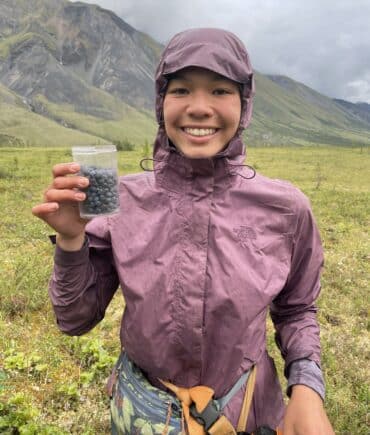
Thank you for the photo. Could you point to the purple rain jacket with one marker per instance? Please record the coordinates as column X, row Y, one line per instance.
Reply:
column 203, row 251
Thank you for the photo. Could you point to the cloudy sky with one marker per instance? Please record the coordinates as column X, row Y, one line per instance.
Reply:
column 322, row 43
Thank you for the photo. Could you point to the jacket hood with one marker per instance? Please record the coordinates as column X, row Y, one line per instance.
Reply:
column 219, row 51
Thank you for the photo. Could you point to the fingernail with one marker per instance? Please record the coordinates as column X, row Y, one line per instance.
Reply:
column 83, row 182
column 74, row 167
column 80, row 196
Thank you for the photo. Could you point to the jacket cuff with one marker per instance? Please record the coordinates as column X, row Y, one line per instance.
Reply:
column 72, row 258
column 308, row 373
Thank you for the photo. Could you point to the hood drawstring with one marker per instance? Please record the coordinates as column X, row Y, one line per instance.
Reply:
column 149, row 159
column 242, row 165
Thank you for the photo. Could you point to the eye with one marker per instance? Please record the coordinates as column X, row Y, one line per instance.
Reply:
column 178, row 90
column 222, row 91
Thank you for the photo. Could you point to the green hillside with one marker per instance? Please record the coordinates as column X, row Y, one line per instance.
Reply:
column 281, row 117
column 19, row 126
column 118, row 122
column 298, row 115
column 62, row 125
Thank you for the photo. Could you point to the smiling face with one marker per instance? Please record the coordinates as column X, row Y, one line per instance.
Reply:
column 201, row 112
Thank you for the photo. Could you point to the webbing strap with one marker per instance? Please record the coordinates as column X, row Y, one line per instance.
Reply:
column 223, row 401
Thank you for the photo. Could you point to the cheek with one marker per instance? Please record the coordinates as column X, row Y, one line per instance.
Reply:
column 168, row 113
column 231, row 111
column 169, row 119
column 237, row 113
column 233, row 117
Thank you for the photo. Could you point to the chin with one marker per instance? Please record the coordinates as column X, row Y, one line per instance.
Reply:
column 195, row 156
column 198, row 153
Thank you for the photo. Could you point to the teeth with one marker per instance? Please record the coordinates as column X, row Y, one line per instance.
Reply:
column 200, row 131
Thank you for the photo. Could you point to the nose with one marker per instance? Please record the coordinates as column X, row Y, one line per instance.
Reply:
column 199, row 106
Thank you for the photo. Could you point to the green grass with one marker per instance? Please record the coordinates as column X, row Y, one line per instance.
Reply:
column 54, row 384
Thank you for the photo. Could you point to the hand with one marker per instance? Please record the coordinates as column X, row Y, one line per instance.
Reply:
column 305, row 414
column 60, row 207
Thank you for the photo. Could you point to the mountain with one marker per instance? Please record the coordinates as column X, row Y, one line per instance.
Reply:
column 79, row 65
column 62, row 49
column 75, row 72
column 360, row 110
column 303, row 114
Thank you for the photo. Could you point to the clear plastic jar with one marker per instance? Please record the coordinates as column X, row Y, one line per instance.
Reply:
column 99, row 165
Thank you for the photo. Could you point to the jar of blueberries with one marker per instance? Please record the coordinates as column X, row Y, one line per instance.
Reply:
column 99, row 165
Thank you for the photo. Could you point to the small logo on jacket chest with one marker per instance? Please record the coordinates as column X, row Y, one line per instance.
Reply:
column 243, row 234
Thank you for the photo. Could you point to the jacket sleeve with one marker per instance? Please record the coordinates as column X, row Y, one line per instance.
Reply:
column 293, row 311
column 84, row 282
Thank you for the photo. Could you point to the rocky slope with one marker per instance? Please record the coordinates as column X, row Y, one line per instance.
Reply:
column 62, row 50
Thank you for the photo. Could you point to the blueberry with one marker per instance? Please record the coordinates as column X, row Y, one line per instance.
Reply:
column 102, row 192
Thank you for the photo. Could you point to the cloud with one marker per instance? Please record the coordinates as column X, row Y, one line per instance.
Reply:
column 322, row 43
column 358, row 88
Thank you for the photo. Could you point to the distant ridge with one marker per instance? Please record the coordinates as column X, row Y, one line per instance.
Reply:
column 360, row 110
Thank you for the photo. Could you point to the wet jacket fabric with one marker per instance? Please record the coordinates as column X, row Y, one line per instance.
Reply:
column 203, row 250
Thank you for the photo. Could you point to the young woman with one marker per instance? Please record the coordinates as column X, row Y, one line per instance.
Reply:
column 203, row 248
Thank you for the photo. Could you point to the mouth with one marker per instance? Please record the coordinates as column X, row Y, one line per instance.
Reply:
column 199, row 132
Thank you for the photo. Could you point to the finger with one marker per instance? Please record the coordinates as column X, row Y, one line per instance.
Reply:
column 61, row 169
column 70, row 182
column 41, row 210
column 63, row 195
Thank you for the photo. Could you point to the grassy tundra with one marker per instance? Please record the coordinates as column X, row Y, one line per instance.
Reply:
column 54, row 384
